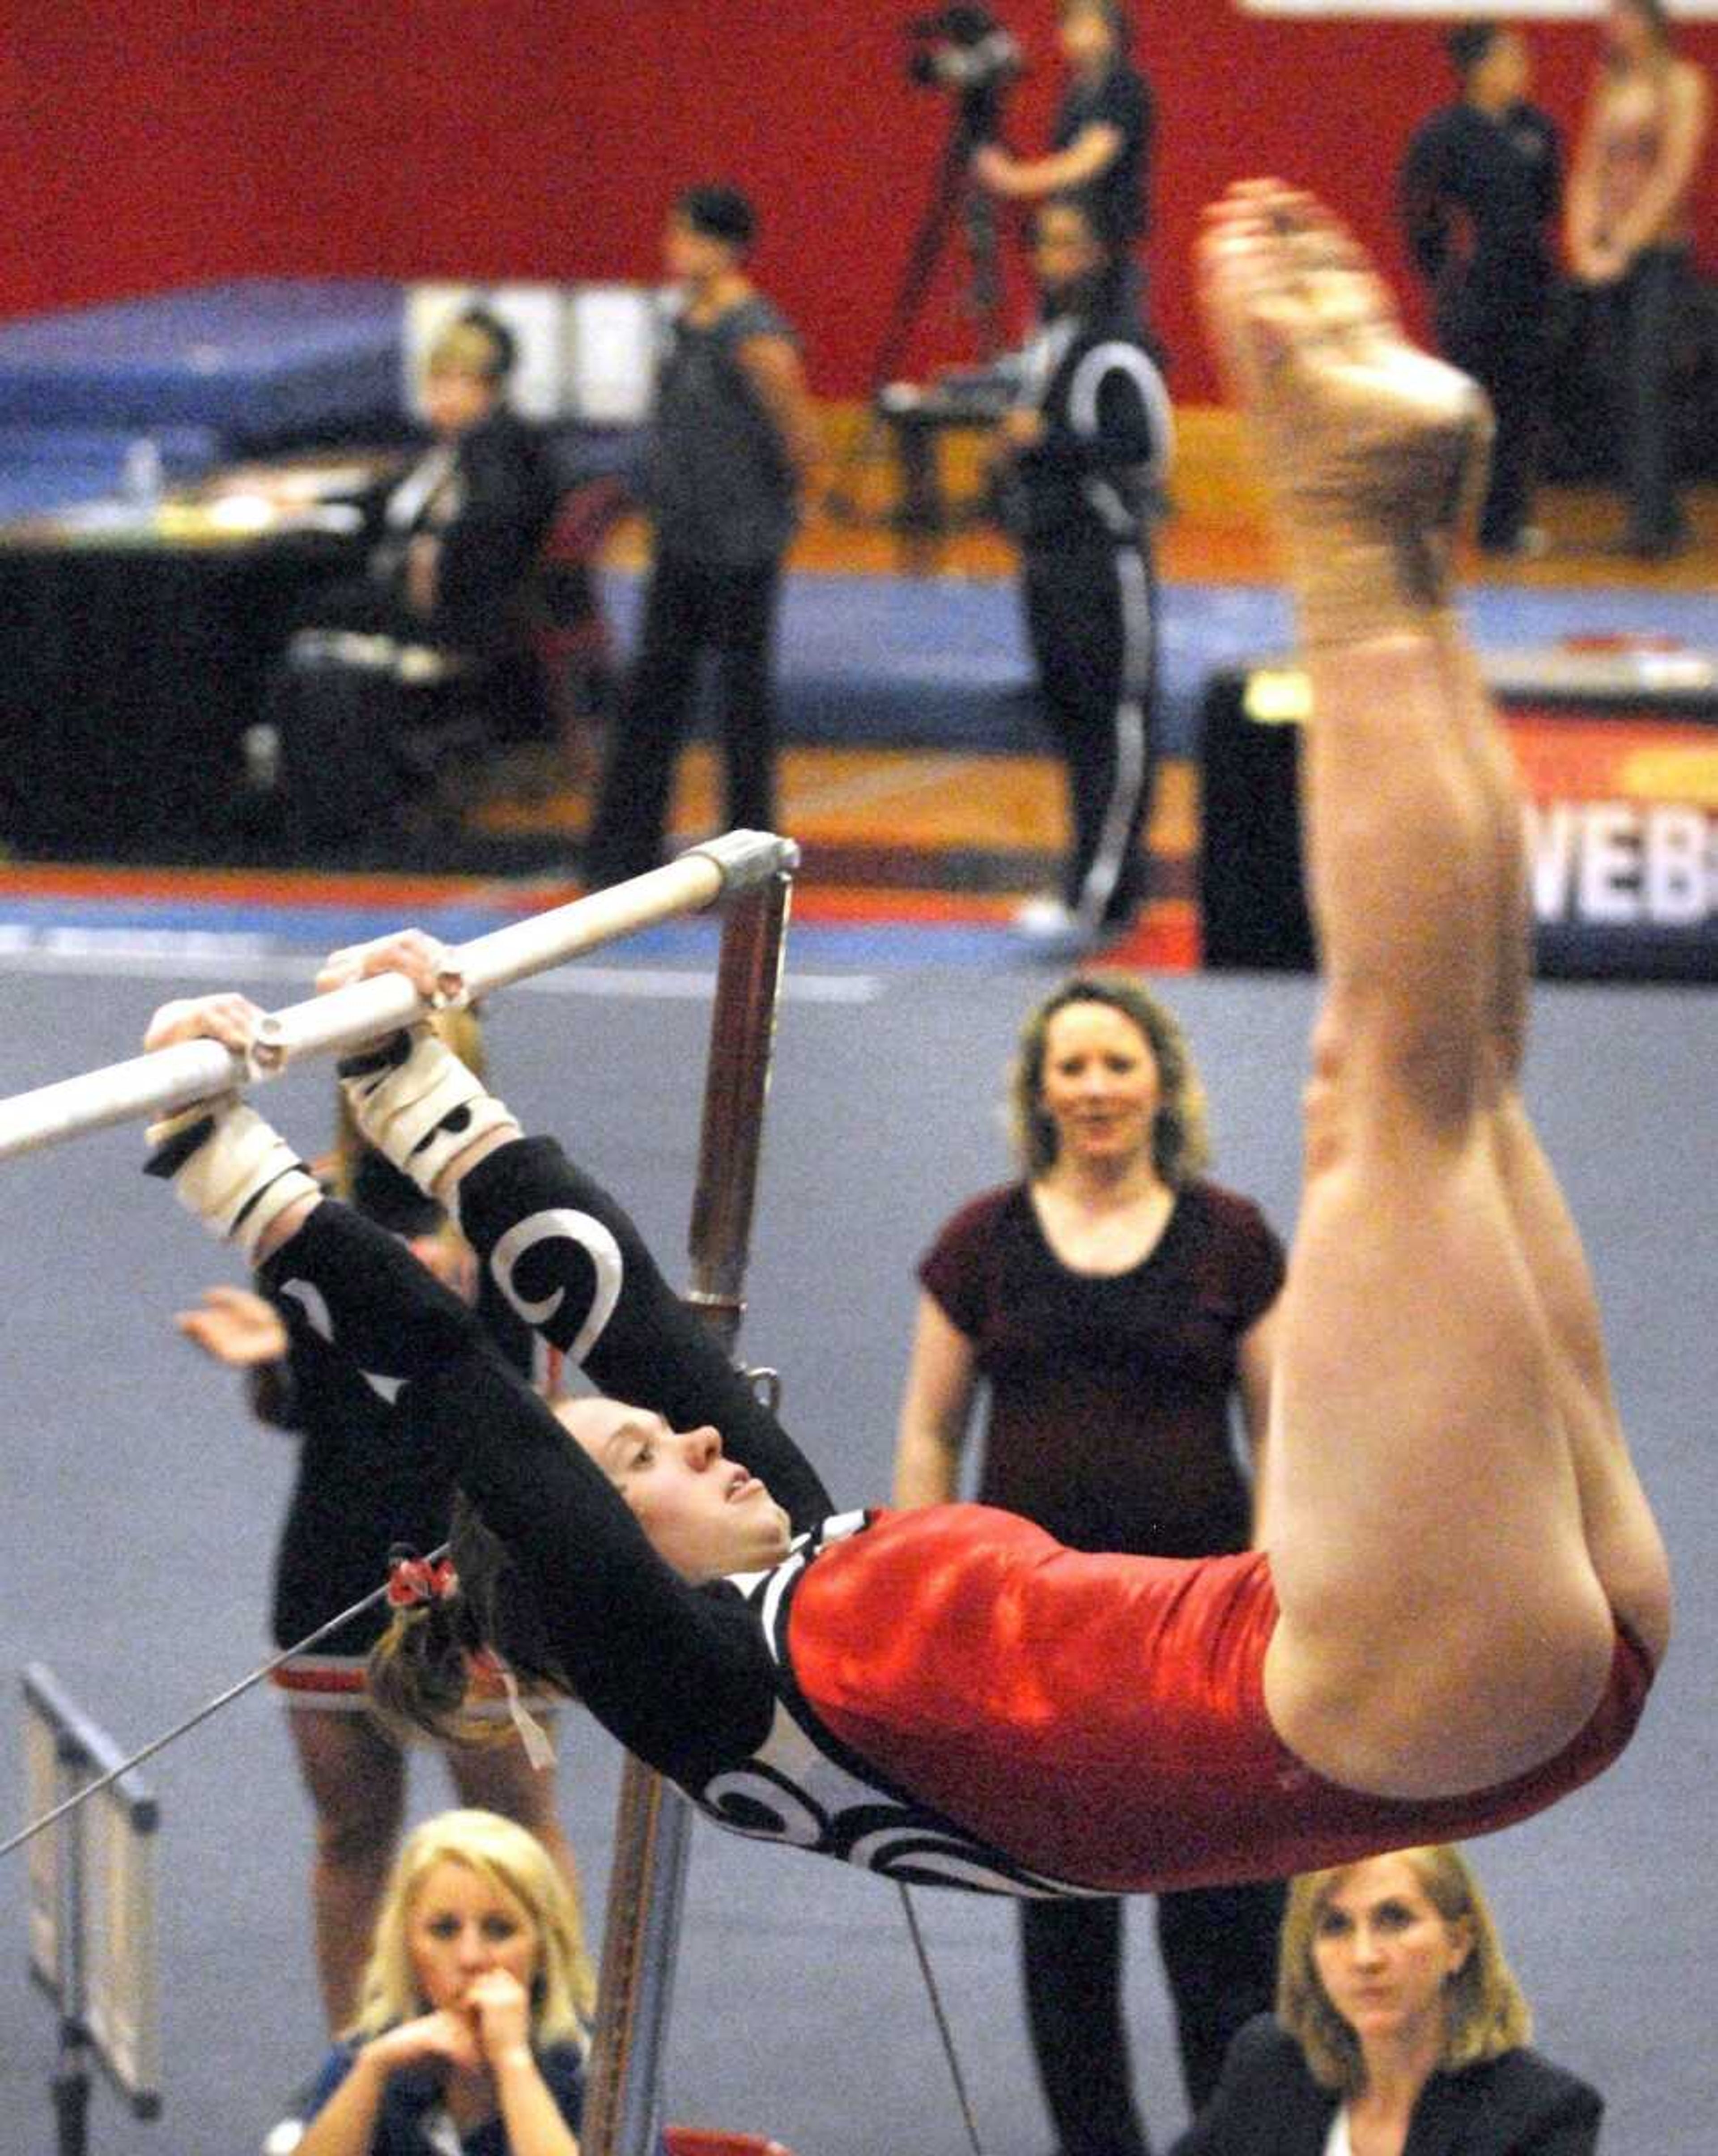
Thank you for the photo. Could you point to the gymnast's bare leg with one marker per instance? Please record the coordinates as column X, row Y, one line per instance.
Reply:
column 1454, row 1523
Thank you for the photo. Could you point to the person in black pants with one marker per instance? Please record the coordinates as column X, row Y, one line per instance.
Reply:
column 734, row 439
column 1083, row 451
column 1479, row 185
column 1113, row 1307
column 1630, row 230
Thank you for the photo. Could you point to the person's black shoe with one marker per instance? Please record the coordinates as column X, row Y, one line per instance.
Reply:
column 1654, row 542
column 1529, row 543
column 1658, row 546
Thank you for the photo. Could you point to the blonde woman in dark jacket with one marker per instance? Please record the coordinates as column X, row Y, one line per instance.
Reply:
column 1400, row 2031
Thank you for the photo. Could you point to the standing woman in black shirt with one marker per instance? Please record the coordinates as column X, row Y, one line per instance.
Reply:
column 1101, row 141
column 1480, row 186
column 1114, row 1305
column 734, row 439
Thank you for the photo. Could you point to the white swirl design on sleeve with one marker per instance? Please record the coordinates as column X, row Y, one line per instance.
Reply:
column 562, row 1223
column 314, row 1305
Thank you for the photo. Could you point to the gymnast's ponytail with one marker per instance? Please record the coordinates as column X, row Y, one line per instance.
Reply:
column 435, row 1672
column 420, row 1670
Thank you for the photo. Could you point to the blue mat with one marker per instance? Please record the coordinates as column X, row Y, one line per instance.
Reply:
column 906, row 663
column 36, row 490
column 47, row 467
column 255, row 360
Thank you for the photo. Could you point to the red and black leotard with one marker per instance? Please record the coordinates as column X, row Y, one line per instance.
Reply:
column 947, row 1695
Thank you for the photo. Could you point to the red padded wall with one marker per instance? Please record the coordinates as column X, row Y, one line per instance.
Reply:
column 166, row 142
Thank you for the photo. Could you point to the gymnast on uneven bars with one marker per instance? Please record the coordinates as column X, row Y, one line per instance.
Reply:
column 1459, row 1596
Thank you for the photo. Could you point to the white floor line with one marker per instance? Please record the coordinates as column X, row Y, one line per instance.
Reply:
column 204, row 954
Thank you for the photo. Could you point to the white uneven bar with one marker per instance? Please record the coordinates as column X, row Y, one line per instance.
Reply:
column 171, row 1078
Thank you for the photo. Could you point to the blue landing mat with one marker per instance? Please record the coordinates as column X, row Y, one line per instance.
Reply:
column 253, row 359
column 209, row 372
column 908, row 663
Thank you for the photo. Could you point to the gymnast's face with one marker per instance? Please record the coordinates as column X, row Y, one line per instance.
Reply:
column 704, row 1514
column 1100, row 1086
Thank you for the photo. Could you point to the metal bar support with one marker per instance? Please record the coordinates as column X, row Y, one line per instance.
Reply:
column 653, row 1821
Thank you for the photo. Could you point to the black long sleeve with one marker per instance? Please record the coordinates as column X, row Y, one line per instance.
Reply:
column 518, row 1209
column 680, row 1674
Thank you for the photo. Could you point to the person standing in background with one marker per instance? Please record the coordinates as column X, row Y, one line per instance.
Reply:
column 1080, row 461
column 445, row 598
column 1479, row 185
column 1630, row 231
column 1101, row 139
column 1116, row 1304
column 734, row 443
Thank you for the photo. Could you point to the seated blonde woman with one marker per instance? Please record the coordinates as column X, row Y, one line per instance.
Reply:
column 440, row 613
column 469, row 2033
column 1400, row 2029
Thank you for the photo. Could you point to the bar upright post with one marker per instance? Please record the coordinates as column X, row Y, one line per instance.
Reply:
column 653, row 1821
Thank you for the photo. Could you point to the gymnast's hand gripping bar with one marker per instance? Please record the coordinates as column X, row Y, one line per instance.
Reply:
column 171, row 1078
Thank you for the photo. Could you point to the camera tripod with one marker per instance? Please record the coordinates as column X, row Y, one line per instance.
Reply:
column 957, row 205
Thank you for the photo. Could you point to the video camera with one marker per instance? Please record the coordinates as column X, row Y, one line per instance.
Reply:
column 966, row 50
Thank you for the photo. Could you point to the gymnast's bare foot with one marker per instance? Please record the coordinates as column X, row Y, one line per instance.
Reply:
column 1371, row 448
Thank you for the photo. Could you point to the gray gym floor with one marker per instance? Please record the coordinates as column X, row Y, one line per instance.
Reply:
column 141, row 1506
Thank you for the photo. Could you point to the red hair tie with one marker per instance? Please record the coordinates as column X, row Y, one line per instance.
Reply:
column 413, row 1579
